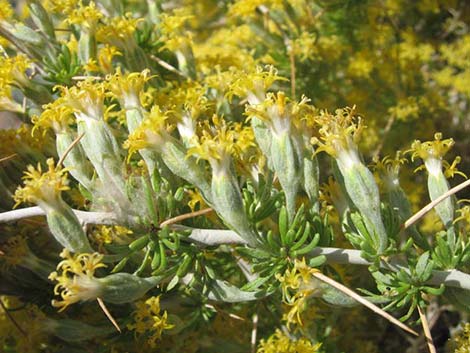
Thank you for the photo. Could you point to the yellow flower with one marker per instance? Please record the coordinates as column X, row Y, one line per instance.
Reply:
column 332, row 196
column 103, row 235
column 339, row 134
column 127, row 88
column 405, row 109
column 40, row 187
column 119, row 31
column 252, row 85
column 172, row 30
column 195, row 199
column 6, row 11
column 86, row 99
column 19, row 140
column 304, row 46
column 86, row 16
column 279, row 342
column 279, row 113
column 431, row 152
column 105, row 58
column 148, row 320
column 226, row 48
column 360, row 66
column 76, row 281
column 297, row 287
column 61, row 6
column 461, row 342
column 388, row 169
column 451, row 169
column 55, row 115
column 247, row 8
column 219, row 142
column 152, row 132
column 13, row 71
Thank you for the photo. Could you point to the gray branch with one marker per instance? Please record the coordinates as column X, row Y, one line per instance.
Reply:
column 215, row 237
column 103, row 218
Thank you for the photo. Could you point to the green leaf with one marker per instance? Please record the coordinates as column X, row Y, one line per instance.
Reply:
column 421, row 264
column 226, row 292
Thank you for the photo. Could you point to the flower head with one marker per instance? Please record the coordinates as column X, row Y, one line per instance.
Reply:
column 247, row 8
column 279, row 342
column 56, row 115
column 278, row 112
column 106, row 55
column 339, row 134
column 172, row 30
column 188, row 102
column 253, row 85
column 148, row 320
column 152, row 132
column 86, row 99
column 431, row 149
column 119, row 31
column 389, row 168
column 431, row 152
column 331, row 195
column 61, row 6
column 297, row 287
column 127, row 88
column 41, row 187
column 13, row 72
column 221, row 141
column 6, row 10
column 86, row 16
column 76, row 281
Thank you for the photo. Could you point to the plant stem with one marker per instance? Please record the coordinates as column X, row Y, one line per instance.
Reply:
column 214, row 237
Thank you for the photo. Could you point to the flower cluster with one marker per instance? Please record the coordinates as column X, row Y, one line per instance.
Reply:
column 191, row 190
column 42, row 187
column 75, row 277
column 149, row 320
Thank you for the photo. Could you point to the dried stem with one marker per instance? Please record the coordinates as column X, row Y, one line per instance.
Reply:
column 185, row 216
column 7, row 158
column 254, row 333
column 290, row 49
column 418, row 215
column 167, row 66
column 427, row 331
column 363, row 301
column 108, row 314
column 71, row 146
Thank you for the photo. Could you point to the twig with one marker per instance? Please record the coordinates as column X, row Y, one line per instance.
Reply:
column 413, row 219
column 427, row 331
column 214, row 237
column 363, row 301
column 108, row 314
column 290, row 49
column 166, row 65
column 185, row 216
column 71, row 146
column 7, row 158
column 79, row 78
column 254, row 333
column 11, row 318
column 387, row 129
column 103, row 218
